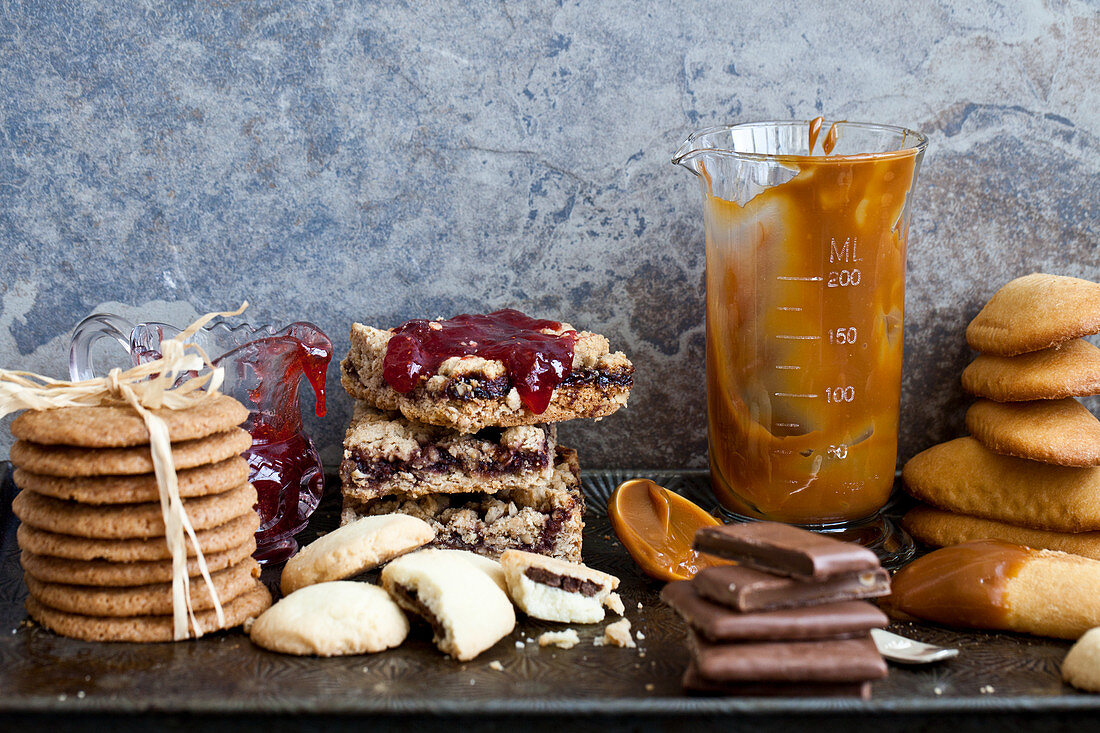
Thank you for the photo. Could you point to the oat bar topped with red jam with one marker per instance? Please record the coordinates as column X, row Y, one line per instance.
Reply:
column 501, row 369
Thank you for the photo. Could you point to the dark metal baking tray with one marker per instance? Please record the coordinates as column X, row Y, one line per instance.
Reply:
column 998, row 677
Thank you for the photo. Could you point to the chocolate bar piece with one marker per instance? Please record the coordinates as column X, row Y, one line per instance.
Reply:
column 846, row 619
column 785, row 550
column 696, row 683
column 841, row 660
column 745, row 589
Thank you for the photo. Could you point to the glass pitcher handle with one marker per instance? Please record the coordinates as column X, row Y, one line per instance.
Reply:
column 86, row 333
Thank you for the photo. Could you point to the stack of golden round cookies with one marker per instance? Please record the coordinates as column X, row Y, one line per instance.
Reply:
column 94, row 553
column 1029, row 473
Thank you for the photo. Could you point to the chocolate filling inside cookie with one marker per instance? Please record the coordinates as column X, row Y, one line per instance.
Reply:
column 567, row 583
column 410, row 596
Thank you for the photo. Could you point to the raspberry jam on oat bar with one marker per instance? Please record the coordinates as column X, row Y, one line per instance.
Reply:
column 536, row 361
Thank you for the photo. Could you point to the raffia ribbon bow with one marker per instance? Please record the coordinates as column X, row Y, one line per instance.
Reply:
column 145, row 387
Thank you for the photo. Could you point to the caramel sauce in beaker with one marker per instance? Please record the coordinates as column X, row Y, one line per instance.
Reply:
column 805, row 304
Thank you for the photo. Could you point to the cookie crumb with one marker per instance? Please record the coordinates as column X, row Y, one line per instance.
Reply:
column 614, row 603
column 639, row 635
column 519, row 645
column 649, row 687
column 496, row 665
column 986, row 689
column 639, row 605
column 618, row 634
column 562, row 639
column 937, row 690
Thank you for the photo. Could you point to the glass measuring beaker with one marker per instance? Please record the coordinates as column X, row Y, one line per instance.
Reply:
column 805, row 281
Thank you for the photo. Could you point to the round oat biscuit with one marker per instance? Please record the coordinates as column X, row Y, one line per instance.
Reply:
column 1081, row 667
column 119, row 426
column 249, row 604
column 332, row 619
column 106, row 573
column 54, row 460
column 355, row 547
column 125, row 521
column 233, row 533
column 199, row 481
column 1062, row 432
column 1071, row 369
column 1035, row 312
column 154, row 599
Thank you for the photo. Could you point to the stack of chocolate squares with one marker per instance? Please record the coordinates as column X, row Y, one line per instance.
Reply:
column 786, row 620
column 455, row 424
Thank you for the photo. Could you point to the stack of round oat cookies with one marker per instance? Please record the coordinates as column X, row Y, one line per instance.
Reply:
column 1029, row 473
column 96, row 560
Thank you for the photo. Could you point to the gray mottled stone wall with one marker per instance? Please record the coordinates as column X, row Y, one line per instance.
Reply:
column 336, row 161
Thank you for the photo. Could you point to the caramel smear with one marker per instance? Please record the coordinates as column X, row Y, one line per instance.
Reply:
column 657, row 527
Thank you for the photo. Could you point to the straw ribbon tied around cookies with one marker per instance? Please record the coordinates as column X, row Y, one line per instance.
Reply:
column 144, row 387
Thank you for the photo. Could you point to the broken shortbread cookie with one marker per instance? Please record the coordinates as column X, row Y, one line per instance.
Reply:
column 617, row 634
column 468, row 613
column 556, row 590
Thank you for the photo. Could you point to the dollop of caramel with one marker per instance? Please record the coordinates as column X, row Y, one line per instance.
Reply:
column 657, row 527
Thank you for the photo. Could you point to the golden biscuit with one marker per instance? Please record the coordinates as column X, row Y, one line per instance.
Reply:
column 1035, row 312
column 939, row 528
column 1069, row 370
column 997, row 585
column 1063, row 431
column 964, row 476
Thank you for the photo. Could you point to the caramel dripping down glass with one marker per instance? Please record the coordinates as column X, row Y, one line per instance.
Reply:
column 805, row 273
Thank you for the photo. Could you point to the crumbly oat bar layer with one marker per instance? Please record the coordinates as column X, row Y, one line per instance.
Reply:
column 387, row 454
column 470, row 393
column 546, row 518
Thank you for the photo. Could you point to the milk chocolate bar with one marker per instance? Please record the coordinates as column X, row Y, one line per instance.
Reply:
column 846, row 619
column 842, row 660
column 785, row 550
column 745, row 589
column 696, row 683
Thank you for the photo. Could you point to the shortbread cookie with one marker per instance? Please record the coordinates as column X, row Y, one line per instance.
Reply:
column 964, row 476
column 354, row 548
column 118, row 426
column 1081, row 667
column 556, row 590
column 1071, row 369
column 105, row 573
column 487, row 565
column 940, row 528
column 385, row 453
column 989, row 584
column 468, row 613
column 146, row 628
column 472, row 393
column 68, row 461
column 1035, row 312
column 200, row 481
column 332, row 619
column 546, row 518
column 232, row 533
column 1063, row 432
column 154, row 599
column 126, row 521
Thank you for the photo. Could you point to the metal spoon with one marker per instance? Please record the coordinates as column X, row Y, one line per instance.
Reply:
column 900, row 650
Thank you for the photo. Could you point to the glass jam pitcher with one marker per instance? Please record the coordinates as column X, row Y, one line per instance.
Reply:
column 263, row 370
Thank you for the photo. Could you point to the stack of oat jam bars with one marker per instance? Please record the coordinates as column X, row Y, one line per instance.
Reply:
column 455, row 423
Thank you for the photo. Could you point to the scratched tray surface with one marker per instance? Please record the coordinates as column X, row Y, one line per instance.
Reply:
column 226, row 673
